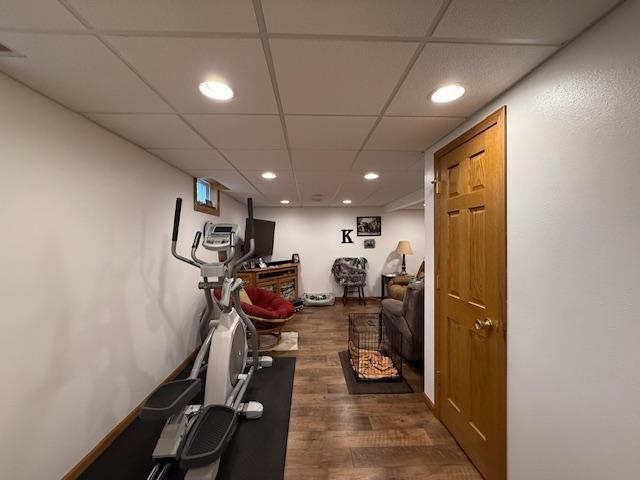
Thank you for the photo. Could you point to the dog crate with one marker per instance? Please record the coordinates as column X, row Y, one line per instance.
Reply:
column 375, row 348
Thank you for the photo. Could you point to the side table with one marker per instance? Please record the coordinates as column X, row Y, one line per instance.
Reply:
column 384, row 280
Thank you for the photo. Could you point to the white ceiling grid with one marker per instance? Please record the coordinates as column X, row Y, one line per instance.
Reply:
column 325, row 90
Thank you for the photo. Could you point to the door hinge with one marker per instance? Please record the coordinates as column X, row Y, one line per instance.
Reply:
column 437, row 281
column 436, row 185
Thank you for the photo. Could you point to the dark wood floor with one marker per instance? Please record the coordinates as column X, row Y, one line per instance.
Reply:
column 337, row 436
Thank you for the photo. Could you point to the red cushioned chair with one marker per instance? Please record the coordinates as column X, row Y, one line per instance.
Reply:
column 268, row 311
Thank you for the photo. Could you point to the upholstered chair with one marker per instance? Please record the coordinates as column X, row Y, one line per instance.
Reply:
column 351, row 272
column 407, row 316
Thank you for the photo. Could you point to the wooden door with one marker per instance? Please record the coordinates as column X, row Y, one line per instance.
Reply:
column 470, row 210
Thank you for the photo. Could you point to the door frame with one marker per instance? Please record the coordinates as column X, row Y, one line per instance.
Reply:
column 496, row 118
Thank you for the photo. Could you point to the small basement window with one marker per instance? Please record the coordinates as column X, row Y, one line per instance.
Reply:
column 206, row 196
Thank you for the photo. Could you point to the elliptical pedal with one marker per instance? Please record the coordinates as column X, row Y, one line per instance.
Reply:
column 170, row 398
column 209, row 436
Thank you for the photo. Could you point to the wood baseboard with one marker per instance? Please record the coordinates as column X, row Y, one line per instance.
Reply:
column 427, row 401
column 108, row 439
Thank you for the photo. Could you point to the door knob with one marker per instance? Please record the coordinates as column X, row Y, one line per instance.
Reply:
column 482, row 324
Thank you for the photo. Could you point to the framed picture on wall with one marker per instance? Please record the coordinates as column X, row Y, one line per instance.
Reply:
column 370, row 243
column 369, row 226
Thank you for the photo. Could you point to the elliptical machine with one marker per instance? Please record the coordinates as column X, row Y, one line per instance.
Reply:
column 195, row 436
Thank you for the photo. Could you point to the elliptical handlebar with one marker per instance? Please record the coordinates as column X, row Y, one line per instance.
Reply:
column 174, row 236
column 176, row 219
column 250, row 235
column 196, row 240
column 194, row 247
column 250, row 227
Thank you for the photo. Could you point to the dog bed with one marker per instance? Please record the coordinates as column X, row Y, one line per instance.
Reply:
column 318, row 299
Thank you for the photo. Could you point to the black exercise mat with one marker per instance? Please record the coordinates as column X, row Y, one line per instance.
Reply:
column 383, row 386
column 258, row 447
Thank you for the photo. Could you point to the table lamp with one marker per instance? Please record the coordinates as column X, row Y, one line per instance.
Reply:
column 404, row 248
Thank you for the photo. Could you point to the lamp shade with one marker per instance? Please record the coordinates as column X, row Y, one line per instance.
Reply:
column 404, row 248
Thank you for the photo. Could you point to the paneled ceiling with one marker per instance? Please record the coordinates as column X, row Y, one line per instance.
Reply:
column 326, row 90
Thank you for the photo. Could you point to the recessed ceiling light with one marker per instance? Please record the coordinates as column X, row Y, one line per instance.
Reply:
column 269, row 175
column 285, row 202
column 216, row 91
column 371, row 176
column 448, row 93
column 346, row 202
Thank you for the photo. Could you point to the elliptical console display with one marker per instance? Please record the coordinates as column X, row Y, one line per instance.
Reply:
column 219, row 236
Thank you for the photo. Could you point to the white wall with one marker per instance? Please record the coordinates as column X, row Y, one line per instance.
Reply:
column 315, row 233
column 95, row 311
column 573, row 137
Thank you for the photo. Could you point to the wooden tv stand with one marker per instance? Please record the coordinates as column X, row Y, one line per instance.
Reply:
column 281, row 279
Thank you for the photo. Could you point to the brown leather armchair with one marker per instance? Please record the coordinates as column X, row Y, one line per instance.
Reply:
column 407, row 316
column 397, row 286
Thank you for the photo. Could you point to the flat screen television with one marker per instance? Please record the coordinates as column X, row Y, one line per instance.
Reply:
column 264, row 231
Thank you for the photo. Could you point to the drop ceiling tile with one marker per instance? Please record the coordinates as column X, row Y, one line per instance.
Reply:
column 240, row 131
column 355, row 17
column 321, row 203
column 328, row 132
column 259, row 159
column 309, row 189
column 404, row 182
column 410, row 133
column 177, row 66
column 242, row 197
column 274, row 202
column 79, row 72
column 169, row 15
column 151, row 130
column 356, row 200
column 356, row 177
column 484, row 70
column 400, row 178
column 284, row 192
column 36, row 14
column 384, row 160
column 242, row 194
column 279, row 192
column 385, row 196
column 549, row 21
column 255, row 176
column 321, row 176
column 193, row 158
column 262, row 202
column 356, row 192
column 374, row 201
column 354, row 78
column 322, row 160
column 271, row 202
column 312, row 204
